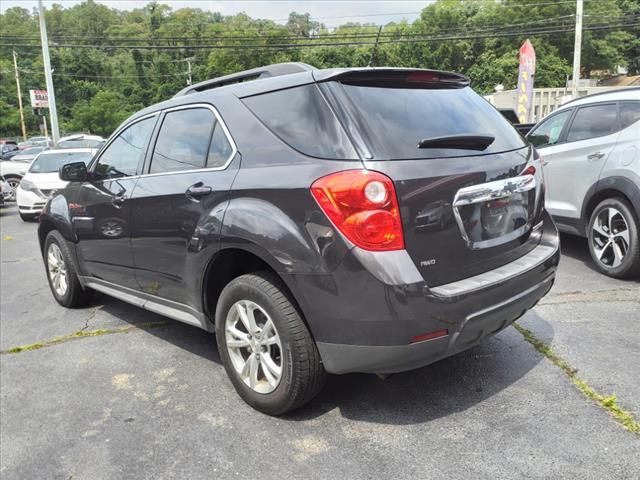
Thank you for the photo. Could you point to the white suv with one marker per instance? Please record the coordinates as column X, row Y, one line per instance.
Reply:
column 591, row 156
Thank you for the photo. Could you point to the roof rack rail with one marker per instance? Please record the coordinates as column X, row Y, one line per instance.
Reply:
column 275, row 70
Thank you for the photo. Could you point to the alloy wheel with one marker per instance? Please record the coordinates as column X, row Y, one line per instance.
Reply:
column 13, row 184
column 610, row 235
column 254, row 346
column 57, row 270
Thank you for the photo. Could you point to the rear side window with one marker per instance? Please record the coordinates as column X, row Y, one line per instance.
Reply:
column 183, row 140
column 220, row 149
column 629, row 113
column 593, row 121
column 393, row 121
column 302, row 118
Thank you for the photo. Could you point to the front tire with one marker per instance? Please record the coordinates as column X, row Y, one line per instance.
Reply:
column 266, row 348
column 61, row 272
column 614, row 242
column 13, row 182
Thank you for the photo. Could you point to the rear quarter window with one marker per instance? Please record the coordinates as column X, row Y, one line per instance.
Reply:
column 301, row 117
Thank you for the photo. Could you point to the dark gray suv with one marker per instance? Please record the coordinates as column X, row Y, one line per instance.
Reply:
column 289, row 209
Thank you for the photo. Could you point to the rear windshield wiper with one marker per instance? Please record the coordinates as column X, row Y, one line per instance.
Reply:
column 463, row 141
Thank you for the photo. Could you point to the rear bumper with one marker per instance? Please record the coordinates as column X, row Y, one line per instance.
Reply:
column 340, row 358
column 364, row 320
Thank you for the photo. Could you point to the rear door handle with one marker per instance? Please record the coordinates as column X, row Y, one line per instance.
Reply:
column 595, row 156
column 194, row 192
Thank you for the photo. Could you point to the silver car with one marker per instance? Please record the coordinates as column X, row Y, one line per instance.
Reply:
column 591, row 157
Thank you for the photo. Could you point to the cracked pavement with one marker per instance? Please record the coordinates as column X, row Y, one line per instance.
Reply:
column 154, row 402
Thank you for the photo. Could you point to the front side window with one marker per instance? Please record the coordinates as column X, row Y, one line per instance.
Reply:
column 183, row 141
column 123, row 156
column 548, row 133
column 593, row 121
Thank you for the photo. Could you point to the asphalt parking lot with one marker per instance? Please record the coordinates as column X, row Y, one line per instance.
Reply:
column 117, row 392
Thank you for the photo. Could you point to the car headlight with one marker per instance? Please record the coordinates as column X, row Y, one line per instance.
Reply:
column 26, row 184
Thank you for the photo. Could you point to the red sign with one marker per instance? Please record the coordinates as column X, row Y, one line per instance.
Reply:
column 526, row 72
column 39, row 98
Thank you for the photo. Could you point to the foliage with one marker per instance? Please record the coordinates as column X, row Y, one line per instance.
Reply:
column 98, row 87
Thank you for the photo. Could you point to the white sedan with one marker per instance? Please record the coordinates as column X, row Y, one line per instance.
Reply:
column 42, row 180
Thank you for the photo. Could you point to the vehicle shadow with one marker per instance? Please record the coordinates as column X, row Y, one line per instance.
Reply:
column 577, row 247
column 438, row 390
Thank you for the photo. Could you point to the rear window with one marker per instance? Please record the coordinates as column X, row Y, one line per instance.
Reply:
column 51, row 162
column 302, row 118
column 80, row 143
column 392, row 121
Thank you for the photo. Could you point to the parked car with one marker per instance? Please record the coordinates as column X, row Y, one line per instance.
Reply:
column 80, row 141
column 5, row 191
column 591, row 151
column 12, row 171
column 42, row 179
column 279, row 213
column 511, row 115
column 8, row 150
column 35, row 142
column 28, row 154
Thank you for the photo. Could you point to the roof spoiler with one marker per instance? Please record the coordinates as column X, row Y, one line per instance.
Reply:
column 393, row 77
column 274, row 70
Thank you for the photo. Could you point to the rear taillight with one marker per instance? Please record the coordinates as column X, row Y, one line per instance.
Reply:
column 362, row 204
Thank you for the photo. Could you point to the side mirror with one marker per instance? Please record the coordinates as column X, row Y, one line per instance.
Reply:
column 73, row 172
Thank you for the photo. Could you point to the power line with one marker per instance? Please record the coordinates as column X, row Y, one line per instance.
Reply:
column 485, row 27
column 417, row 38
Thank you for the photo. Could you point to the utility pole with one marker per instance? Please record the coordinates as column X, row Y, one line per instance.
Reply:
column 55, row 132
column 577, row 49
column 375, row 48
column 15, row 66
column 189, row 70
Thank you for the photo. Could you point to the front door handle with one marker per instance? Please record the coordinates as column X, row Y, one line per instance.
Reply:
column 195, row 191
column 595, row 156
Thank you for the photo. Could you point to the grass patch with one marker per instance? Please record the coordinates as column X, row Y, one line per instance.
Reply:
column 609, row 403
column 81, row 334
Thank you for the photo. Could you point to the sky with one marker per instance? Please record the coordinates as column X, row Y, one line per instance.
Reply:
column 329, row 12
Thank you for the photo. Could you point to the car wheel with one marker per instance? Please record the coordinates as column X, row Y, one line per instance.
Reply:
column 613, row 238
column 13, row 182
column 266, row 348
column 61, row 272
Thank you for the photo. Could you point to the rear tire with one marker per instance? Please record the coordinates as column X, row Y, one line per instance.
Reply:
column 288, row 355
column 62, row 274
column 614, row 241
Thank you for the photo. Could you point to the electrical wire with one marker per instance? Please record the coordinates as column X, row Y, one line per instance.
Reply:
column 413, row 38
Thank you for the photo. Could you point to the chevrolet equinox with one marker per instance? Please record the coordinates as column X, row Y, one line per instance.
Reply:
column 289, row 210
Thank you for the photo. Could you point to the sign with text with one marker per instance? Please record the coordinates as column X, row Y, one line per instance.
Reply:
column 526, row 72
column 39, row 98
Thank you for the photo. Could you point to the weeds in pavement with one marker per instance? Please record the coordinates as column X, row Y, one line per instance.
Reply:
column 81, row 334
column 609, row 403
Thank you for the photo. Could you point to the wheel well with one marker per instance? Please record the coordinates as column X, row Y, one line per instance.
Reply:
column 43, row 230
column 599, row 197
column 227, row 265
